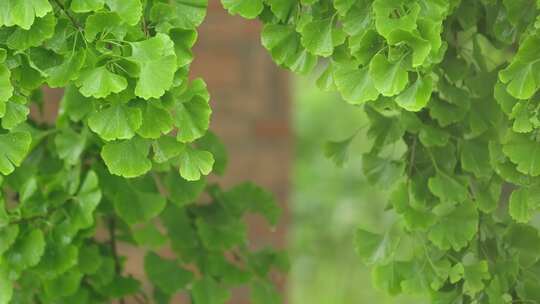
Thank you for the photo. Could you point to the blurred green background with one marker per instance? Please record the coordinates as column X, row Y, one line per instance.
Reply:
column 329, row 203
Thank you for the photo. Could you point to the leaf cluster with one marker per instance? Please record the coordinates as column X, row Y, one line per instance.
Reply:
column 451, row 91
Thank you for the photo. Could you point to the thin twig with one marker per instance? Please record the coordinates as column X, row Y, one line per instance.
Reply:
column 112, row 236
column 71, row 18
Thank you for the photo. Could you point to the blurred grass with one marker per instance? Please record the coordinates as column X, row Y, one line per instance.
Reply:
column 329, row 203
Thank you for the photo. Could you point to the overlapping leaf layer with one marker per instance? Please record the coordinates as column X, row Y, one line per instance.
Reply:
column 123, row 165
column 451, row 91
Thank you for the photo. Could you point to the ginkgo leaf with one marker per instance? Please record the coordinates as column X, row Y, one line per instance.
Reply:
column 281, row 8
column 283, row 42
column 195, row 163
column 475, row 158
column 355, row 84
column 447, row 188
column 119, row 121
column 166, row 148
column 27, row 250
column 523, row 151
column 183, row 42
column 317, row 37
column 374, row 248
column 85, row 6
column 421, row 47
column 520, row 79
column 60, row 75
column 15, row 113
column 416, row 96
column 128, row 158
column 135, row 203
column 391, row 15
column 6, row 89
column 523, row 203
column 455, row 228
column 390, row 78
column 207, row 291
column 100, row 82
column 192, row 112
column 41, row 30
column 167, row 275
column 22, row 13
column 157, row 61
column 245, row 8
column 156, row 120
column 13, row 149
column 88, row 198
column 338, row 151
column 105, row 23
column 70, row 145
column 149, row 236
column 130, row 11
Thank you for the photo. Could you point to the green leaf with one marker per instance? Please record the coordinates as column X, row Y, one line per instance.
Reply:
column 456, row 228
column 156, row 120
column 136, row 205
column 13, row 149
column 130, row 11
column 127, row 158
column 89, row 259
column 85, row 6
column 264, row 293
column 390, row 78
column 149, row 236
column 100, row 82
column 61, row 75
column 382, row 172
column 474, row 276
column 520, row 78
column 105, row 23
column 207, row 291
column 282, row 8
column 70, row 145
column 246, row 8
column 166, row 148
column 192, row 115
column 195, row 163
column 392, row 15
column 338, row 151
column 317, row 37
column 16, row 112
column 157, row 61
column 374, row 248
column 475, row 158
column 523, row 203
column 8, row 235
column 41, row 30
column 22, row 13
column 355, row 84
column 448, row 188
column 167, row 275
column 88, row 198
column 417, row 95
column 119, row 121
column 523, row 151
column 247, row 197
column 27, row 250
column 6, row 89
column 183, row 192
column 284, row 45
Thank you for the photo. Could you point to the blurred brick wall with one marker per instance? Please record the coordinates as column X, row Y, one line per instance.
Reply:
column 250, row 100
